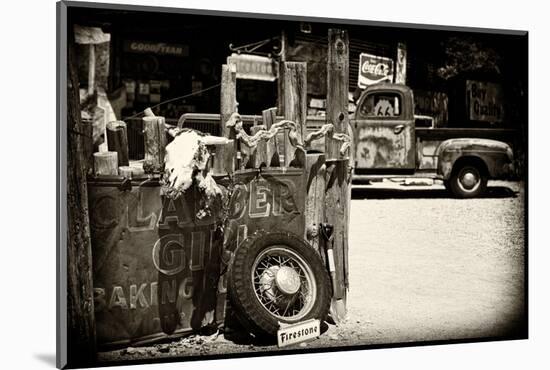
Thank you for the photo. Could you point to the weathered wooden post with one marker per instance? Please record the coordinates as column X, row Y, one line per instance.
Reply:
column 80, row 306
column 87, row 133
column 117, row 141
column 106, row 163
column 401, row 64
column 228, row 106
column 280, row 81
column 258, row 157
column 272, row 153
column 315, row 204
column 295, row 104
column 337, row 196
column 154, row 137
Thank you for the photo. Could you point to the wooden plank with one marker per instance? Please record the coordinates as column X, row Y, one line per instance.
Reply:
column 154, row 137
column 223, row 159
column 228, row 106
column 295, row 107
column 315, row 205
column 337, row 194
column 401, row 64
column 280, row 80
column 91, row 69
column 117, row 139
column 81, row 338
column 87, row 131
column 130, row 171
column 338, row 87
column 258, row 156
column 272, row 153
column 336, row 214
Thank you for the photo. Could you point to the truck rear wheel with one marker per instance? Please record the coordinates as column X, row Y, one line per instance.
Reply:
column 468, row 181
column 275, row 278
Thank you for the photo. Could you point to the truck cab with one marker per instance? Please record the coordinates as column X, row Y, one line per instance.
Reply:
column 388, row 144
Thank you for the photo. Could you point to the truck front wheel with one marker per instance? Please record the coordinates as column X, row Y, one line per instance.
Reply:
column 468, row 181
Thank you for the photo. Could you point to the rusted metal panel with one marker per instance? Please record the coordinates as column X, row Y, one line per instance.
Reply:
column 496, row 155
column 426, row 157
column 156, row 267
column 268, row 199
column 382, row 144
column 385, row 128
column 431, row 142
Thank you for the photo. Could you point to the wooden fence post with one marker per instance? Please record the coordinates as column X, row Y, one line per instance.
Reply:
column 81, row 338
column 295, row 104
column 269, row 118
column 280, row 81
column 401, row 64
column 106, row 163
column 117, row 141
column 228, row 106
column 337, row 89
column 315, row 204
column 154, row 137
column 258, row 157
column 337, row 195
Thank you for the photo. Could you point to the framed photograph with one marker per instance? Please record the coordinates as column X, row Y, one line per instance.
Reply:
column 236, row 184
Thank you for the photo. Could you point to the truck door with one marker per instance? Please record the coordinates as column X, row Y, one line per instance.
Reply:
column 385, row 133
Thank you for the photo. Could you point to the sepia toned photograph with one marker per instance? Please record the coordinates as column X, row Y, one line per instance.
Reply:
column 237, row 184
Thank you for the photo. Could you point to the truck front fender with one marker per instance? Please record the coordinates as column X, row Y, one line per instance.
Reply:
column 496, row 156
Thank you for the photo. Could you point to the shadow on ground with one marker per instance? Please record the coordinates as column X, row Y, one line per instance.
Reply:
column 404, row 193
column 46, row 358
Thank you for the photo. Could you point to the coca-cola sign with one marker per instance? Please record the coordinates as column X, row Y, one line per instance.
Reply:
column 374, row 69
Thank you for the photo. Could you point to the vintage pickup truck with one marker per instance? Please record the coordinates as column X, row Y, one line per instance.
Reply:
column 391, row 142
column 388, row 143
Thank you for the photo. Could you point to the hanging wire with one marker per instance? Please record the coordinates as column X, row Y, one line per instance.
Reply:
column 177, row 98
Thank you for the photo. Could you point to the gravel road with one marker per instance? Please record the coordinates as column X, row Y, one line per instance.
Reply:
column 423, row 267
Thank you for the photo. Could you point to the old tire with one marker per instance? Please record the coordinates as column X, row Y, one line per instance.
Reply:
column 468, row 181
column 277, row 277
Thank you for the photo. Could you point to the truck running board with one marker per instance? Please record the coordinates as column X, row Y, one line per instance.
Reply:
column 358, row 178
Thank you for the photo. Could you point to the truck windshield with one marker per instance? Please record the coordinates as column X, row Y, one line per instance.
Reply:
column 381, row 105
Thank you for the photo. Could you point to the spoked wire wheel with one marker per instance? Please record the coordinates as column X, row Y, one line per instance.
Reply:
column 276, row 277
column 283, row 283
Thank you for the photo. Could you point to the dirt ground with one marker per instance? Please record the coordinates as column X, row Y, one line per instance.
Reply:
column 423, row 267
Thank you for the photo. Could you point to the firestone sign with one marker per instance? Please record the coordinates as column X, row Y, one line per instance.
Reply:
column 374, row 69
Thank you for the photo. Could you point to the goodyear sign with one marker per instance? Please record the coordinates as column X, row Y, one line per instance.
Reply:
column 159, row 48
column 374, row 69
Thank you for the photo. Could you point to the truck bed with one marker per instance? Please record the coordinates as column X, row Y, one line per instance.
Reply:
column 440, row 134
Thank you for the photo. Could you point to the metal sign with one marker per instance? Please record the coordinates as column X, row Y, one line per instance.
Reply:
column 273, row 199
column 254, row 67
column 484, row 101
column 156, row 266
column 159, row 48
column 432, row 103
column 374, row 69
column 299, row 332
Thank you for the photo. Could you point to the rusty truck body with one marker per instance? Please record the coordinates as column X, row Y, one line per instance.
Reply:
column 387, row 143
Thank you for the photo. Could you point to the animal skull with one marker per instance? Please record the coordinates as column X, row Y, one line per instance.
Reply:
column 186, row 159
